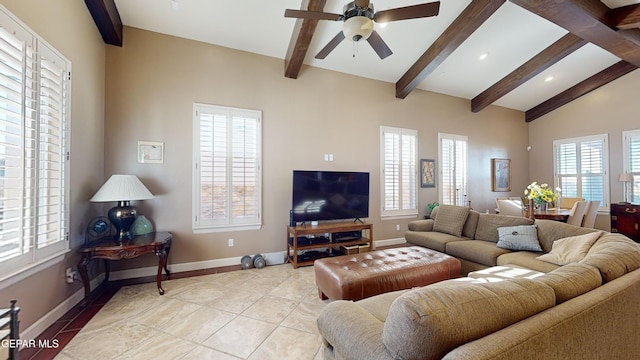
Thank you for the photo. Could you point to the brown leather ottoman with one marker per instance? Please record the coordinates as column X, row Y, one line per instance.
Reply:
column 355, row 277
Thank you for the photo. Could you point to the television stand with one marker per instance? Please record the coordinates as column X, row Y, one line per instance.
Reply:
column 298, row 239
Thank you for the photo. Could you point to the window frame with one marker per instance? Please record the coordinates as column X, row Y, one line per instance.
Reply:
column 410, row 165
column 45, row 82
column 229, row 222
column 628, row 163
column 458, row 199
column 604, row 139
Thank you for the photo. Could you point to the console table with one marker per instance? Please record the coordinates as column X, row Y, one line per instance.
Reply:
column 107, row 248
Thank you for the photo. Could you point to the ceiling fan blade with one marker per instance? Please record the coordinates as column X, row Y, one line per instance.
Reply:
column 362, row 3
column 330, row 46
column 313, row 15
column 378, row 45
column 408, row 12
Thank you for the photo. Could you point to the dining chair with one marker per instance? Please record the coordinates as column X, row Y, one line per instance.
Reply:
column 510, row 207
column 567, row 202
column 590, row 217
column 577, row 213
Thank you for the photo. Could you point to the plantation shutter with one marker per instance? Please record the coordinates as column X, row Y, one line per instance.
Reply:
column 632, row 163
column 581, row 168
column 34, row 103
column 399, row 171
column 227, row 167
column 453, row 169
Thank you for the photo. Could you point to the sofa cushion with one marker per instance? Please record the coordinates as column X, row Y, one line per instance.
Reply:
column 570, row 249
column 551, row 230
column 526, row 259
column 521, row 237
column 614, row 255
column 469, row 228
column 430, row 239
column 428, row 322
column 572, row 280
column 488, row 225
column 478, row 251
column 451, row 219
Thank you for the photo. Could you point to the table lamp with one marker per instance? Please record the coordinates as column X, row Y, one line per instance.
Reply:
column 626, row 179
column 122, row 189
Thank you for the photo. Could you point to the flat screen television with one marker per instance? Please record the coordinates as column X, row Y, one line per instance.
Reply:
column 330, row 195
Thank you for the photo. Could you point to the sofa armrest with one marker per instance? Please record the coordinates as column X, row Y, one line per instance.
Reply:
column 421, row 225
column 352, row 332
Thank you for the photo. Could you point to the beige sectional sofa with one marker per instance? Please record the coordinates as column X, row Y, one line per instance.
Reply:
column 586, row 309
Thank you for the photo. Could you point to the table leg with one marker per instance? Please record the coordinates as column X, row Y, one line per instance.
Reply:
column 166, row 270
column 162, row 263
column 107, row 270
column 84, row 275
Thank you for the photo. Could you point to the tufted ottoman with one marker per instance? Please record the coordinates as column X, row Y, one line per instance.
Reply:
column 355, row 277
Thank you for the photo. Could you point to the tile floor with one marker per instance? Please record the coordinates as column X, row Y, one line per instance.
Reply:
column 267, row 313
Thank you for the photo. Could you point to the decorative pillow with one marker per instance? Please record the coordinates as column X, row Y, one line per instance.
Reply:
column 570, row 249
column 450, row 219
column 519, row 238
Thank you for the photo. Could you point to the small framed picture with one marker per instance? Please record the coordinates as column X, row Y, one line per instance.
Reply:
column 500, row 175
column 428, row 173
column 150, row 152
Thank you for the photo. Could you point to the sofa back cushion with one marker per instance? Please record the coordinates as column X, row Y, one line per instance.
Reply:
column 428, row 322
column 551, row 230
column 614, row 255
column 488, row 225
column 572, row 280
column 450, row 219
column 469, row 228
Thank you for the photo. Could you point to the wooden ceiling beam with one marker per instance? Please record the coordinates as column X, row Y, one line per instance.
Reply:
column 604, row 77
column 300, row 39
column 105, row 15
column 588, row 19
column 474, row 15
column 546, row 58
column 626, row 17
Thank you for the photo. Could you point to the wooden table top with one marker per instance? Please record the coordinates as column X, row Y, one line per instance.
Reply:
column 553, row 214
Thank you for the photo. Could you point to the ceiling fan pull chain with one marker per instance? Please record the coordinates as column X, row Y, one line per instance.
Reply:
column 355, row 48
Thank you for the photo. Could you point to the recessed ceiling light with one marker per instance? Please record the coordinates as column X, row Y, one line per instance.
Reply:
column 383, row 25
column 484, row 56
column 548, row 78
column 175, row 5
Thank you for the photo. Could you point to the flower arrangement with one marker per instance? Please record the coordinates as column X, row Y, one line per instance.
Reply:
column 541, row 193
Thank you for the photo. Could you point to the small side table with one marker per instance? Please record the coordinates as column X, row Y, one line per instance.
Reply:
column 107, row 249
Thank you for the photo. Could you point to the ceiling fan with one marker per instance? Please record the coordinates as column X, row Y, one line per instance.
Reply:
column 358, row 17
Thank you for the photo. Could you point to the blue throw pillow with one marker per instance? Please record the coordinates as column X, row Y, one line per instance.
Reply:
column 519, row 238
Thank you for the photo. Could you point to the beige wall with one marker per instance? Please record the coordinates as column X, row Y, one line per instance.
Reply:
column 610, row 109
column 67, row 25
column 153, row 81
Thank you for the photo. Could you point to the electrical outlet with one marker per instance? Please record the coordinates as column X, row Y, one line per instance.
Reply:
column 71, row 275
column 230, row 242
column 398, row 227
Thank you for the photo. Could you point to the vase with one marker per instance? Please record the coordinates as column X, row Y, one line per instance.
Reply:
column 544, row 206
column 141, row 226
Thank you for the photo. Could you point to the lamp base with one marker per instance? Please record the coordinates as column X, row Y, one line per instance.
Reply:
column 122, row 217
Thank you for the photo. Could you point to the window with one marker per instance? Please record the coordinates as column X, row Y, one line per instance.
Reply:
column 34, row 123
column 398, row 154
column 631, row 163
column 453, row 169
column 227, row 174
column 581, row 168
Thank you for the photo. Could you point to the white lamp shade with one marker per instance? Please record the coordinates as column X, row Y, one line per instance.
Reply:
column 626, row 177
column 122, row 188
column 357, row 26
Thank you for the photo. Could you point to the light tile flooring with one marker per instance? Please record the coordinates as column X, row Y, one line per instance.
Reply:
column 267, row 313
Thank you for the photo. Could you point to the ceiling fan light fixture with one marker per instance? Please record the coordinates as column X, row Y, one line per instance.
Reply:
column 357, row 28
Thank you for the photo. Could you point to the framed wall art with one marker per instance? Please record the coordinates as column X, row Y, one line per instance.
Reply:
column 427, row 173
column 150, row 152
column 500, row 175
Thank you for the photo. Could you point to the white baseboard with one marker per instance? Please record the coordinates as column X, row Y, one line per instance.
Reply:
column 33, row 331
column 52, row 316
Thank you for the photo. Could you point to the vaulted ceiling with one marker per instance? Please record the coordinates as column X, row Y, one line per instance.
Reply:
column 538, row 54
